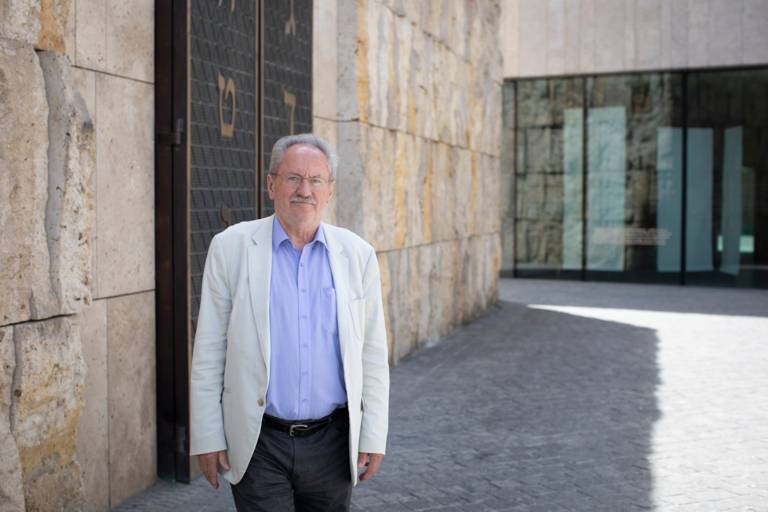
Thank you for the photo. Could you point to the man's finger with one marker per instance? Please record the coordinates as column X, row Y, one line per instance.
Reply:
column 374, row 461
column 362, row 459
column 223, row 460
column 207, row 462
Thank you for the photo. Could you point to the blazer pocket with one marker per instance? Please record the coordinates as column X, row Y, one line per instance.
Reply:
column 357, row 312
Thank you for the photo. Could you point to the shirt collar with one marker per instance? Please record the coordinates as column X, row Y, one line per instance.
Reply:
column 279, row 235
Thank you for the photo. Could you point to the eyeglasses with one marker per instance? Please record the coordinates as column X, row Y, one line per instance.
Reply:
column 294, row 180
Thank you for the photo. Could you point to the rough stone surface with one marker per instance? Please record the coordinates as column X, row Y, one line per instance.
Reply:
column 24, row 263
column 47, row 399
column 70, row 210
column 11, row 491
column 57, row 27
column 419, row 89
column 48, row 159
column 20, row 20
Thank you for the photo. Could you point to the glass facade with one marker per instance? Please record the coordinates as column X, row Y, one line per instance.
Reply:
column 647, row 177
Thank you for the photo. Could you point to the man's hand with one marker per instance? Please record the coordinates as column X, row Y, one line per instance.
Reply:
column 209, row 463
column 370, row 460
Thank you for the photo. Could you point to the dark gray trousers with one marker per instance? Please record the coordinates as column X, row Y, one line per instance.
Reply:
column 301, row 474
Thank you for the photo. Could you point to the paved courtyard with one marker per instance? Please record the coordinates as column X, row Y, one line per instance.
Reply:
column 572, row 396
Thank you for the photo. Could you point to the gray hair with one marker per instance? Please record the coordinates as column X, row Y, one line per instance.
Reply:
column 310, row 139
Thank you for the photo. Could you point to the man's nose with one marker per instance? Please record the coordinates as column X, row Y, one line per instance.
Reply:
column 304, row 188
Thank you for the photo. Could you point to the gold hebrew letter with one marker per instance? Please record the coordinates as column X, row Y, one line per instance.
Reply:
column 226, row 89
column 290, row 100
column 290, row 25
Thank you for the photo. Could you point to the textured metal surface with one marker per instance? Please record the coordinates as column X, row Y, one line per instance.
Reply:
column 223, row 125
column 287, row 93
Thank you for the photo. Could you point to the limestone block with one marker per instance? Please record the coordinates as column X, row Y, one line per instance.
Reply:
column 674, row 34
column 401, row 53
column 533, row 44
column 47, row 400
column 11, row 488
column 20, row 20
column 698, row 33
column 443, row 192
column 609, row 35
column 587, row 42
column 572, row 27
column 132, row 415
column 386, row 296
column 353, row 74
column 24, row 261
column 352, row 140
column 130, row 38
column 124, row 187
column 57, row 27
column 327, row 129
column 324, row 59
column 465, row 169
column 630, row 34
column 91, row 34
column 556, row 37
column 70, row 211
column 725, row 34
column 93, row 427
column 648, row 48
column 754, row 33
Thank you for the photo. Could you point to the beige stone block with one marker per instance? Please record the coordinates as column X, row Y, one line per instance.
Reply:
column 130, row 38
column 401, row 67
column 443, row 193
column 93, row 427
column 755, row 33
column 587, row 42
column 648, row 19
column 609, row 35
column 57, row 27
column 353, row 65
column 24, row 260
column 327, row 130
column 725, row 32
column 70, row 207
column 698, row 33
column 324, row 59
column 47, row 400
column 124, row 186
column 509, row 35
column 91, row 34
column 630, row 34
column 20, row 20
column 532, row 56
column 132, row 415
column 674, row 34
column 465, row 190
column 556, row 37
column 11, row 488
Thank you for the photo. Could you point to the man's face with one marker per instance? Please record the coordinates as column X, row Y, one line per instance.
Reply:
column 300, row 202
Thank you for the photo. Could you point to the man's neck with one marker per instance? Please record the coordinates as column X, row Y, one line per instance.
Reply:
column 299, row 235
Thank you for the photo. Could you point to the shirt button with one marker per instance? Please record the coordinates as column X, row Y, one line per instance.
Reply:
column 301, row 264
column 304, row 345
column 303, row 290
column 260, row 402
column 304, row 316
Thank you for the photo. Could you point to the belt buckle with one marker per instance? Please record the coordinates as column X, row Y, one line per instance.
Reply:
column 297, row 426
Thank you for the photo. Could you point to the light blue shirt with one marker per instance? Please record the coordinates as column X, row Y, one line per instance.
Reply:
column 306, row 374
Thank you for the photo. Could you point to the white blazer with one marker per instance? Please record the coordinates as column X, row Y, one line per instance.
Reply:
column 230, row 362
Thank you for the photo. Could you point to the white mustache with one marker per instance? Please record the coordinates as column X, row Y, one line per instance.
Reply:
column 307, row 200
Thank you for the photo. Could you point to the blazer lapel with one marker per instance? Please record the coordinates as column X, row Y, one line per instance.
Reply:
column 259, row 272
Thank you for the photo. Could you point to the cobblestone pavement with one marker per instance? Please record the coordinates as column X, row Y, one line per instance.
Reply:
column 574, row 397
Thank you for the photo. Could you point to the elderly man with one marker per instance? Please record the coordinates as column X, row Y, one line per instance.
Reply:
column 290, row 379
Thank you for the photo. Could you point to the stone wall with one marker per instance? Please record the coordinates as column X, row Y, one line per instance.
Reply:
column 414, row 110
column 76, row 199
column 567, row 37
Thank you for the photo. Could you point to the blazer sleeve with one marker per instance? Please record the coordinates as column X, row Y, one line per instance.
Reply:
column 375, row 420
column 209, row 355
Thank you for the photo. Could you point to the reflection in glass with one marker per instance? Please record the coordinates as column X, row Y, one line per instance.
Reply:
column 727, row 222
column 548, row 215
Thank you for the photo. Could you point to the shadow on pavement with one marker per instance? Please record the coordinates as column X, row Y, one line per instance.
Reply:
column 524, row 409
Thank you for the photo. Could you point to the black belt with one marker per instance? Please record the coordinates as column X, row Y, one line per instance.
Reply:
column 302, row 428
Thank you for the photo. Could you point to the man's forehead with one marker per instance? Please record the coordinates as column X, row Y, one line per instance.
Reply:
column 304, row 154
